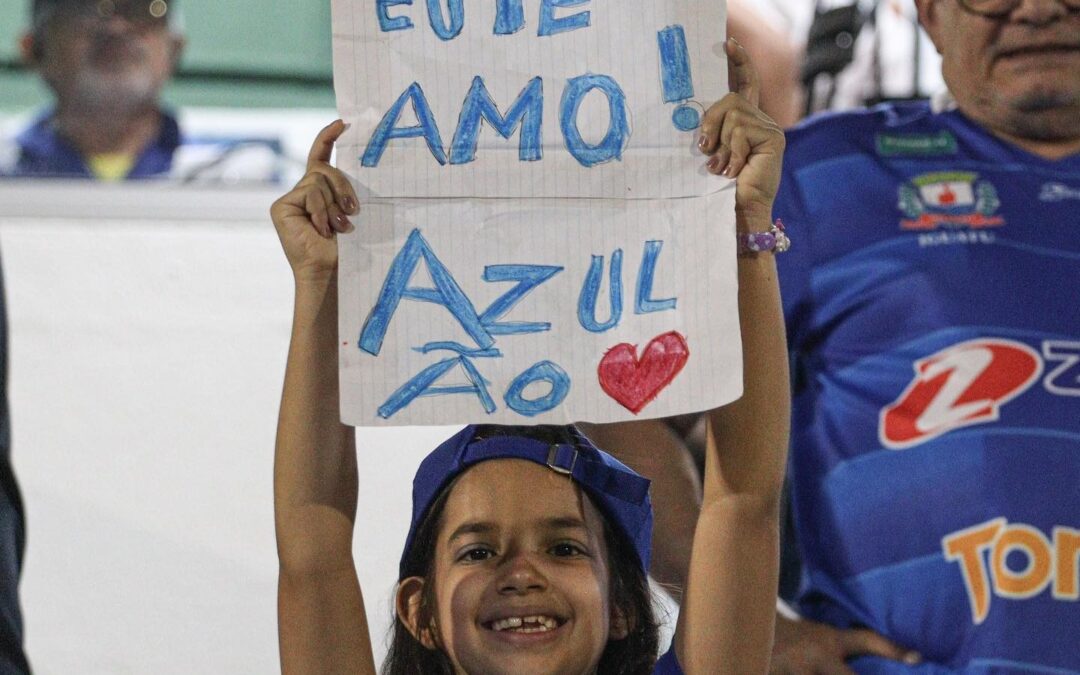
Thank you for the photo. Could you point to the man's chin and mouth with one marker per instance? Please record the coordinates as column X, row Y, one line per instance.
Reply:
column 116, row 65
column 116, row 54
column 1038, row 81
column 1040, row 58
column 1045, row 98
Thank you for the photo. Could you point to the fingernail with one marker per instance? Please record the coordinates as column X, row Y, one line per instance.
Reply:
column 349, row 204
column 342, row 222
column 913, row 658
column 713, row 163
column 702, row 140
column 727, row 171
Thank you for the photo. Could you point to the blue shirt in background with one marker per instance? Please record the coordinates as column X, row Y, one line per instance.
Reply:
column 40, row 152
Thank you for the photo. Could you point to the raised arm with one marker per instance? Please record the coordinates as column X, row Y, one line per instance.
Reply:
column 726, row 620
column 322, row 627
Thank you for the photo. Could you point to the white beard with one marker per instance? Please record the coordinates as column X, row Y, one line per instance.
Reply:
column 115, row 92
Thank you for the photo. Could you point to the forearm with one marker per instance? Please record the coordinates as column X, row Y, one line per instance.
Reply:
column 735, row 563
column 749, row 438
column 315, row 481
column 727, row 616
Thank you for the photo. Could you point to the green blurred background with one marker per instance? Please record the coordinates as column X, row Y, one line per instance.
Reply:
column 240, row 53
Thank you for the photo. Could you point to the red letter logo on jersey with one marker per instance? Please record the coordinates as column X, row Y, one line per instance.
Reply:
column 962, row 385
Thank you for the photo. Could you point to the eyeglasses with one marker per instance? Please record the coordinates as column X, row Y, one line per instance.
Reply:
column 139, row 13
column 999, row 8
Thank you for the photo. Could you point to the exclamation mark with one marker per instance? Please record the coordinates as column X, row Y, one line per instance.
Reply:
column 675, row 76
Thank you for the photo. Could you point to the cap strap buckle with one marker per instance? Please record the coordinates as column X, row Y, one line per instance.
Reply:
column 562, row 459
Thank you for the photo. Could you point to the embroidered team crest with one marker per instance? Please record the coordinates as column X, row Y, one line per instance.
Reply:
column 951, row 199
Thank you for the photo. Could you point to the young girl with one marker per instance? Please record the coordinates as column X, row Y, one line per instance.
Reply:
column 529, row 548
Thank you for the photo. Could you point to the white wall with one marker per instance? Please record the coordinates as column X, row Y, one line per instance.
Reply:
column 147, row 356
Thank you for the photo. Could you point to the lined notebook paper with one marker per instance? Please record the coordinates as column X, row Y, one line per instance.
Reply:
column 539, row 241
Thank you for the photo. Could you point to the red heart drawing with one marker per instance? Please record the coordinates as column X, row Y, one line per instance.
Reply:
column 634, row 382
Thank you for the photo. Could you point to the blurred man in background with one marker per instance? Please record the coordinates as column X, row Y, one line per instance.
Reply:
column 106, row 62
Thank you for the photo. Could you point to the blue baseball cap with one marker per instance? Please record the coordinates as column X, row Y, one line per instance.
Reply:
column 621, row 494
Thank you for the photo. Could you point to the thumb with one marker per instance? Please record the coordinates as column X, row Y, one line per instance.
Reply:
column 863, row 642
column 742, row 76
column 323, row 146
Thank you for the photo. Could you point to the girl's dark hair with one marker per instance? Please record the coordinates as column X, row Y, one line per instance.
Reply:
column 629, row 588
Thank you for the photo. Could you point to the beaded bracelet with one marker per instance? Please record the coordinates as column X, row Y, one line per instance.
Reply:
column 775, row 240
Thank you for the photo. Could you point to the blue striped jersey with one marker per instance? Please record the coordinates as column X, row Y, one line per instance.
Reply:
column 932, row 297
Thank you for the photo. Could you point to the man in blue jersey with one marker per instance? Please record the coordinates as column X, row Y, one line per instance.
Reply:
column 935, row 334
column 936, row 468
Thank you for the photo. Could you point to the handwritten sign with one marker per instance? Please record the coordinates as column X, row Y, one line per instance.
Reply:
column 539, row 240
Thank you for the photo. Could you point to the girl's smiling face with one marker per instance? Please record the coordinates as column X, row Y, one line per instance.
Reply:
column 521, row 575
